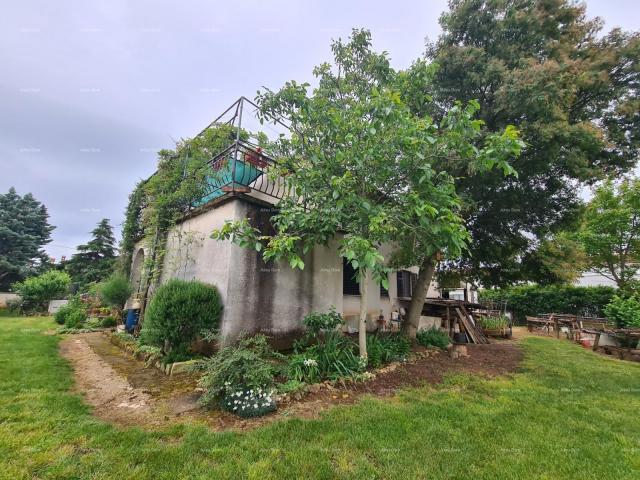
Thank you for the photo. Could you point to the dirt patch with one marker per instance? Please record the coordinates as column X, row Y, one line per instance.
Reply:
column 123, row 391
column 108, row 392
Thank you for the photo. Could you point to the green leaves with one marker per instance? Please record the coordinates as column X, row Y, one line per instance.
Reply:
column 367, row 169
column 610, row 231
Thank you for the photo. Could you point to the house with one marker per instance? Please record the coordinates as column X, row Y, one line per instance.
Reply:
column 258, row 296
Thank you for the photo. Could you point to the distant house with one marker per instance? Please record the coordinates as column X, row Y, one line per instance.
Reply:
column 594, row 279
column 258, row 296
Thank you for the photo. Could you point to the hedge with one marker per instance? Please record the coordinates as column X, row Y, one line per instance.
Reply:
column 178, row 312
column 534, row 299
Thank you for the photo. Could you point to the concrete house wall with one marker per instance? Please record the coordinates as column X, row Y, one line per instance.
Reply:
column 258, row 296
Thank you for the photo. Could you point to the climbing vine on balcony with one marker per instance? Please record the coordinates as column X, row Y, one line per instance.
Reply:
column 158, row 203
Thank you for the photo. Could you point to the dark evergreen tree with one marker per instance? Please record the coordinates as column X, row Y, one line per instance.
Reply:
column 24, row 230
column 94, row 260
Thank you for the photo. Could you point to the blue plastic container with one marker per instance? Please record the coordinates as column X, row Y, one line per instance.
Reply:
column 132, row 319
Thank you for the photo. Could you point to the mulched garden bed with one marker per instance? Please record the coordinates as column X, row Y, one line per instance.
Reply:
column 173, row 400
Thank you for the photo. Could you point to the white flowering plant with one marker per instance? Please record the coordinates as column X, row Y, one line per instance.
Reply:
column 303, row 368
column 248, row 365
column 249, row 402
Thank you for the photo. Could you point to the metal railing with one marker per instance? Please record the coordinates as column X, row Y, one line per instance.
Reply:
column 242, row 167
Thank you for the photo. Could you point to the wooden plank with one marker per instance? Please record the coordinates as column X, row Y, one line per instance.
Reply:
column 479, row 333
column 476, row 336
column 596, row 342
column 463, row 324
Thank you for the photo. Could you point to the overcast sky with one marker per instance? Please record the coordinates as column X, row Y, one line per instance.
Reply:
column 90, row 90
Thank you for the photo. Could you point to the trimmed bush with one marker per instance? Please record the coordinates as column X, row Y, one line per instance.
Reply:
column 534, row 299
column 178, row 312
column 433, row 337
column 115, row 291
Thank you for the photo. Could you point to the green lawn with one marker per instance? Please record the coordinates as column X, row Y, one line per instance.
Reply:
column 569, row 414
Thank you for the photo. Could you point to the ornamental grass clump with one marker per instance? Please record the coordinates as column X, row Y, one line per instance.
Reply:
column 246, row 368
column 433, row 337
column 303, row 368
column 387, row 347
column 336, row 356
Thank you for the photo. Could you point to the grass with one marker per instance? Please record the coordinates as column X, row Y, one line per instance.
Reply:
column 569, row 414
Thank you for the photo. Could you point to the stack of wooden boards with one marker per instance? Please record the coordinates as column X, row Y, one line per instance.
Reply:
column 474, row 334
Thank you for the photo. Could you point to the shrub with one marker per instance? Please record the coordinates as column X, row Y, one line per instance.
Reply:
column 290, row 386
column 322, row 322
column 248, row 365
column 76, row 318
column 71, row 315
column 433, row 337
column 388, row 347
column 178, row 312
column 115, row 291
column 36, row 292
column 108, row 322
column 534, row 299
column 624, row 311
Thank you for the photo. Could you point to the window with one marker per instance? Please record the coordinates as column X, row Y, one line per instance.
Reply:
column 350, row 285
column 406, row 281
column 383, row 291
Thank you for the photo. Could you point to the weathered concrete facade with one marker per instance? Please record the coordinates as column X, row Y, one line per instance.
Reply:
column 258, row 296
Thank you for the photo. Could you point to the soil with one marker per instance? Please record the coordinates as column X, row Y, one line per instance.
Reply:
column 122, row 390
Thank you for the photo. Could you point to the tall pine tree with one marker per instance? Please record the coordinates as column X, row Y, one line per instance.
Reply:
column 24, row 230
column 95, row 259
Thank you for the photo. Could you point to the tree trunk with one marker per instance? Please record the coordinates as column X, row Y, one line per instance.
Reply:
column 412, row 319
column 362, row 324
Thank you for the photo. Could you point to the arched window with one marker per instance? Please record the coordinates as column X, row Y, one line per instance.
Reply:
column 136, row 271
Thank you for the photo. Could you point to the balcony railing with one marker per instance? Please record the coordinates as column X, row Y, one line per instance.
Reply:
column 240, row 168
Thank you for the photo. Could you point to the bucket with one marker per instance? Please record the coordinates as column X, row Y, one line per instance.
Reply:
column 460, row 337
